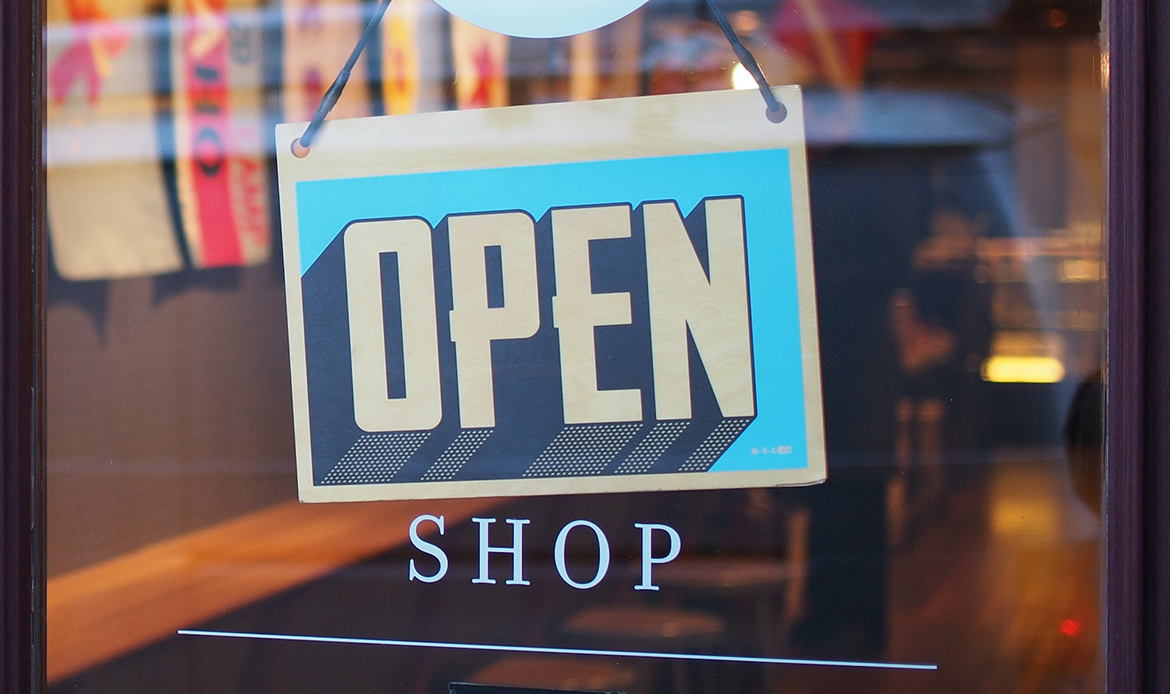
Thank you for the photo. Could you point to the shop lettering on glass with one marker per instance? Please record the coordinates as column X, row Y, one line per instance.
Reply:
column 547, row 325
column 652, row 553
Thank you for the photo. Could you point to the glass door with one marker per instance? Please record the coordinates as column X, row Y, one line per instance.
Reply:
column 956, row 191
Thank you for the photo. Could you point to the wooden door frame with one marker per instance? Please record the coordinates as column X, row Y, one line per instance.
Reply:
column 1137, row 483
column 22, row 248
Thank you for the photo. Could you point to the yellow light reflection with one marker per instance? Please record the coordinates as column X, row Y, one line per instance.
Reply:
column 1023, row 370
column 741, row 78
column 1036, row 519
column 1080, row 270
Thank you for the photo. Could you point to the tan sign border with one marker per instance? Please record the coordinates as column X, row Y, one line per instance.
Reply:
column 697, row 123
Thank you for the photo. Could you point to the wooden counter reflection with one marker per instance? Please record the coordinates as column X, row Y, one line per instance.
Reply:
column 116, row 606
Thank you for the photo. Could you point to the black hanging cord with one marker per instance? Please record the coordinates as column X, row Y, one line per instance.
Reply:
column 329, row 100
column 776, row 110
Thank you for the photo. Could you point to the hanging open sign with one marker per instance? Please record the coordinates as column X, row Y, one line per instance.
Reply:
column 588, row 297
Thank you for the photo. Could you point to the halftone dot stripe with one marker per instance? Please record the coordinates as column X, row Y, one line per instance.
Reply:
column 376, row 458
column 582, row 449
column 716, row 442
column 651, row 448
column 457, row 454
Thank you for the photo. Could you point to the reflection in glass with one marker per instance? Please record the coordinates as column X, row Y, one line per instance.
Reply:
column 956, row 188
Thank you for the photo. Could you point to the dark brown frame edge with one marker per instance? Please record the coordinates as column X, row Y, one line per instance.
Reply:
column 1137, row 481
column 1157, row 334
column 22, row 245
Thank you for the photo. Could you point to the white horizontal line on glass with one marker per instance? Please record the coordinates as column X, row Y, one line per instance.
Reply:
column 558, row 651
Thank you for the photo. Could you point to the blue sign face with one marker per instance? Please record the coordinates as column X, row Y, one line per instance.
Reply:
column 632, row 320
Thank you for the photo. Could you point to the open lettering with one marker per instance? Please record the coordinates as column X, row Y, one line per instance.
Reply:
column 516, row 551
column 691, row 302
